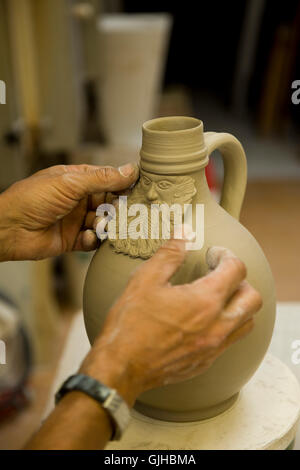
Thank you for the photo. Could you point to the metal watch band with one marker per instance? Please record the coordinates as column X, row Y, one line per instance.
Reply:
column 108, row 398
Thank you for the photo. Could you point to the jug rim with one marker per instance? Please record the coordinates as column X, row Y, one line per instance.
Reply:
column 172, row 124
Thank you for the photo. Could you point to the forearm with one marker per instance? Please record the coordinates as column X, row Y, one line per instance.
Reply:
column 78, row 421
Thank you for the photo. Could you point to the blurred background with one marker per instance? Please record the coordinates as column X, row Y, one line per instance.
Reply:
column 81, row 77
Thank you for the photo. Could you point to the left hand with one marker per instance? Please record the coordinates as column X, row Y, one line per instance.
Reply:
column 53, row 211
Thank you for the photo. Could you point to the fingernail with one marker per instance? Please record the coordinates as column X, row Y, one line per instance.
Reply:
column 128, row 170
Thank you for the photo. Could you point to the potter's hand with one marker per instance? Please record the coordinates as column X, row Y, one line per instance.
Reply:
column 53, row 211
column 155, row 334
column 158, row 334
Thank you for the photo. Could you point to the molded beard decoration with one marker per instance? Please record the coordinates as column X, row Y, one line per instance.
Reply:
column 150, row 224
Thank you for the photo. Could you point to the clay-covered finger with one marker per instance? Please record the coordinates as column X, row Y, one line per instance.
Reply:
column 240, row 309
column 227, row 272
column 245, row 301
column 86, row 241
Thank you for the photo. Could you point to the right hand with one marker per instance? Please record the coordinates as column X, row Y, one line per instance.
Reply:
column 158, row 334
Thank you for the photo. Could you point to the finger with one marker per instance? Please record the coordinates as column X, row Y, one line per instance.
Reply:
column 227, row 273
column 164, row 263
column 240, row 309
column 55, row 170
column 110, row 198
column 193, row 365
column 96, row 200
column 82, row 180
column 237, row 335
column 86, row 241
column 246, row 300
column 97, row 221
column 72, row 223
column 89, row 219
column 115, row 203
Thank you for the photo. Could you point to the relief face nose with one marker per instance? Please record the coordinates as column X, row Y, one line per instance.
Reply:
column 152, row 194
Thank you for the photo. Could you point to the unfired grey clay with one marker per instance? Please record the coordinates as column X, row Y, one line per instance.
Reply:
column 175, row 151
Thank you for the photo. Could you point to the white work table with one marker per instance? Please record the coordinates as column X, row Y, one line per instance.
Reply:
column 273, row 382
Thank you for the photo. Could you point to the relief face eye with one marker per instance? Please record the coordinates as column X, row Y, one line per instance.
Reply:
column 164, row 184
column 146, row 180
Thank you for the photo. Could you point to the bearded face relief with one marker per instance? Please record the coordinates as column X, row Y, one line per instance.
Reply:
column 155, row 205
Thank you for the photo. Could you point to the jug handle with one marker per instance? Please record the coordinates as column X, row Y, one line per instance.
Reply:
column 235, row 169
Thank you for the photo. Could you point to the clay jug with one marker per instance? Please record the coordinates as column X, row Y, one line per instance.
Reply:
column 174, row 153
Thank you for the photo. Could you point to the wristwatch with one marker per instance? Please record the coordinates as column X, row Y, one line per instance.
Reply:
column 108, row 398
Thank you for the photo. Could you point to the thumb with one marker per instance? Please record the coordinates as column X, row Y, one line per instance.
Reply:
column 89, row 179
column 164, row 263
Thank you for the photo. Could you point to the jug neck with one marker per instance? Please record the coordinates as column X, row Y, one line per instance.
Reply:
column 173, row 146
column 203, row 194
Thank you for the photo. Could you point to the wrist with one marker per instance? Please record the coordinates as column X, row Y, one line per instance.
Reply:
column 112, row 371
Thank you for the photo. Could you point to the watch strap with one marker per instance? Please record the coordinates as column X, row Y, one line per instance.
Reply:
column 108, row 398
